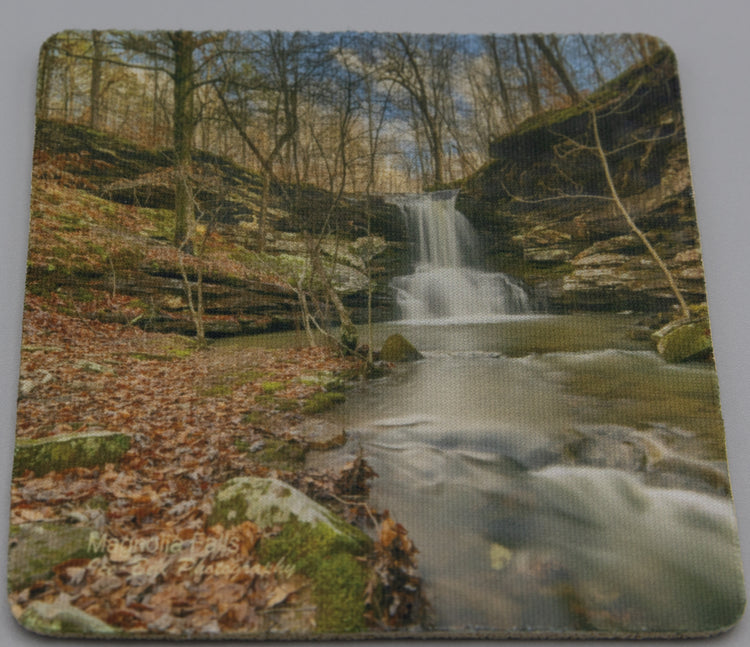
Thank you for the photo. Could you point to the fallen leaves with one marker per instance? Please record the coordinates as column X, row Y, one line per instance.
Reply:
column 394, row 592
column 159, row 568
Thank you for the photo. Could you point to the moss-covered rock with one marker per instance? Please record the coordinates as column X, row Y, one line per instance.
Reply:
column 61, row 452
column 313, row 541
column 684, row 341
column 63, row 619
column 35, row 548
column 269, row 502
column 330, row 560
column 398, row 349
column 328, row 380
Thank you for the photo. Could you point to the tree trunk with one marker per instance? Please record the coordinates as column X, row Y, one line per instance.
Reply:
column 492, row 45
column 263, row 215
column 42, row 83
column 96, row 79
column 183, row 46
column 558, row 66
column 527, row 68
column 592, row 58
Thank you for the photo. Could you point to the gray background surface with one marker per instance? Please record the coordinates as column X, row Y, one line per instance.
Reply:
column 711, row 39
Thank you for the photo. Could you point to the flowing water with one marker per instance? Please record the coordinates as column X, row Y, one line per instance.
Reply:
column 446, row 282
column 554, row 475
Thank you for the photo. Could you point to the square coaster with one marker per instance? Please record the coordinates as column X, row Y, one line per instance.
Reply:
column 366, row 335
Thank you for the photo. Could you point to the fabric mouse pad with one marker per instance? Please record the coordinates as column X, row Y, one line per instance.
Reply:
column 366, row 335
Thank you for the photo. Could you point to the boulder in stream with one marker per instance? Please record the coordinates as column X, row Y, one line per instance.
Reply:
column 684, row 340
column 399, row 349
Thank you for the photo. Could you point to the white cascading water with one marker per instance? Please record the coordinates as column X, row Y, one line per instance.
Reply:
column 446, row 284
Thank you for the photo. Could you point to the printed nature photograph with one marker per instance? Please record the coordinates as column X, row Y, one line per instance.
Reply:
column 366, row 335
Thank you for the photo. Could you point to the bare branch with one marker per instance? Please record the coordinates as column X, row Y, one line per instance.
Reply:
column 631, row 223
column 557, row 198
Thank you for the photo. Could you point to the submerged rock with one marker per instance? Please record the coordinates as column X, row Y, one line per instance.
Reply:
column 398, row 349
column 61, row 452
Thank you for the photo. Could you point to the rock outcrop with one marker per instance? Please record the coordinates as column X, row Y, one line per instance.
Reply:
column 578, row 253
column 119, row 222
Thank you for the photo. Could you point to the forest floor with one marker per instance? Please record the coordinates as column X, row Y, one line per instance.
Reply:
column 196, row 418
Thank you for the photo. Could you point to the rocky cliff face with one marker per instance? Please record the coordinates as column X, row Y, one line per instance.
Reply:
column 102, row 222
column 543, row 198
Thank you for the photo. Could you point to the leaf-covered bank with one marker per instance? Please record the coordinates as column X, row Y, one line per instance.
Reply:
column 148, row 556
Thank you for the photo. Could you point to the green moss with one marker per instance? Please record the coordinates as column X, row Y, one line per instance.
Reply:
column 276, row 453
column 71, row 450
column 322, row 401
column 277, row 403
column 97, row 502
column 228, row 511
column 83, row 295
column 286, row 404
column 272, row 387
column 217, row 391
column 687, row 342
column 244, row 256
column 326, row 379
column 35, row 548
column 281, row 454
column 329, row 559
column 180, row 353
column 398, row 349
column 241, row 444
column 254, row 418
column 149, row 357
column 516, row 266
column 161, row 223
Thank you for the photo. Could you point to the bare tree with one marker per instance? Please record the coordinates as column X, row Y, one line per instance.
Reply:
column 96, row 78
column 422, row 66
column 492, row 44
column 527, row 66
column 557, row 63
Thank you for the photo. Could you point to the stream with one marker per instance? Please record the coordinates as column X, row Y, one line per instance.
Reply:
column 554, row 475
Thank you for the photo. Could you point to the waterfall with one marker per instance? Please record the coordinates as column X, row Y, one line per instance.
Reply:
column 446, row 283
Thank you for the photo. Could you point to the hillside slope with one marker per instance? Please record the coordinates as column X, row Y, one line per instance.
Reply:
column 543, row 198
column 102, row 226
